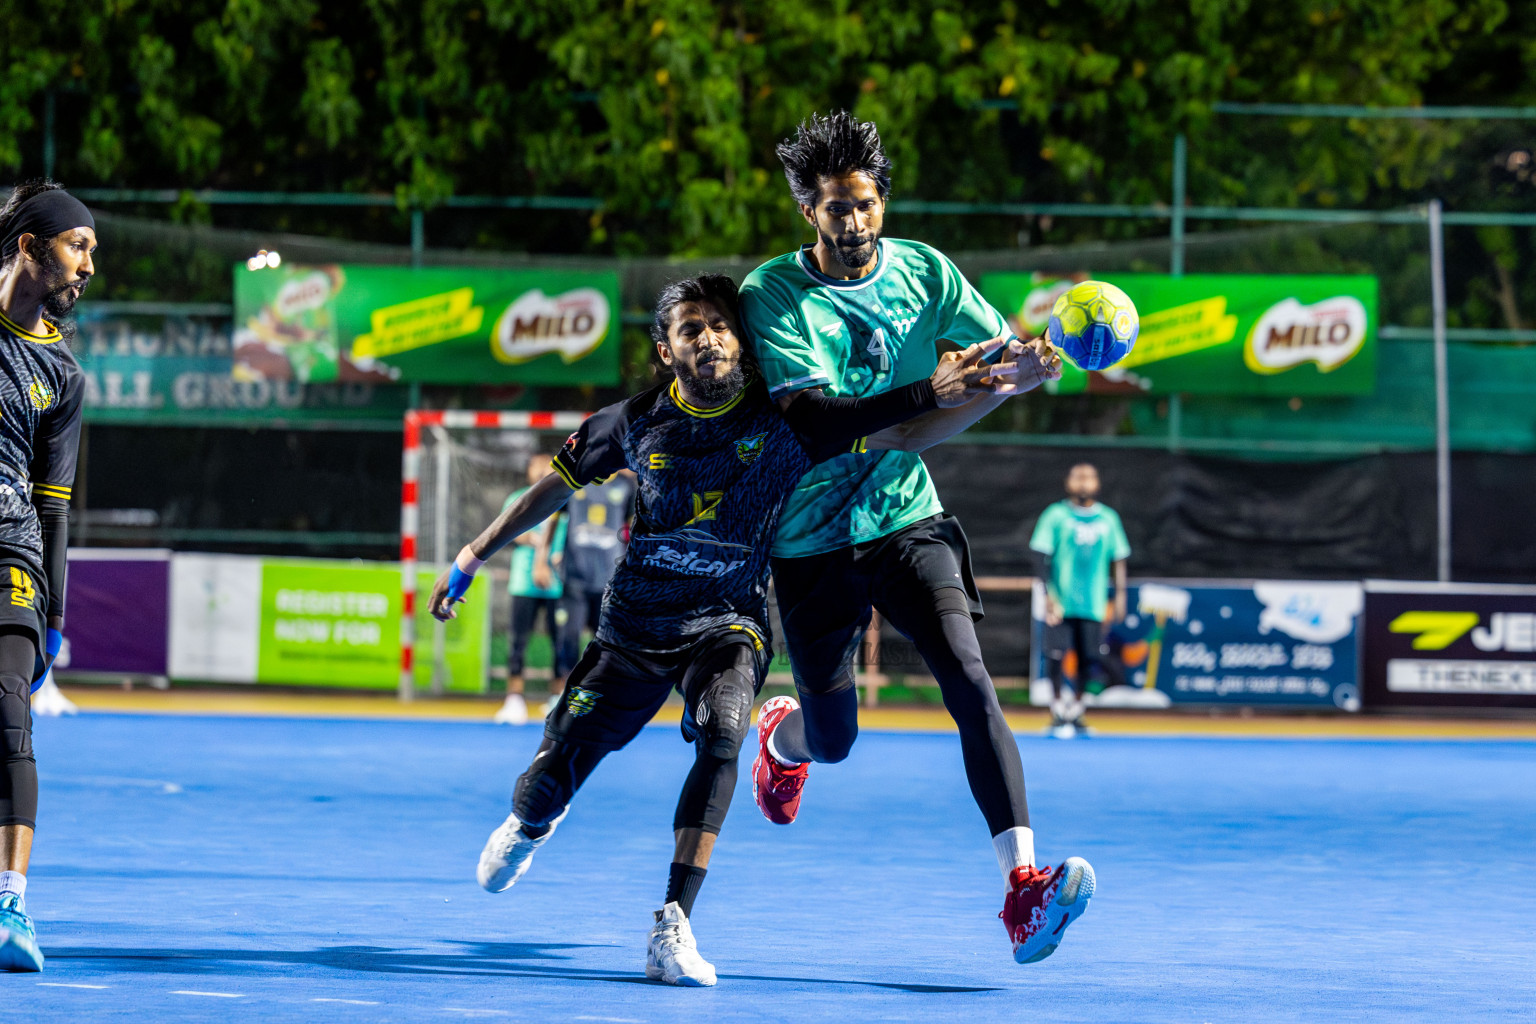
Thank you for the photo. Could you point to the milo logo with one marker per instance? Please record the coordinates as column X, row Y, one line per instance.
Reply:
column 308, row 291
column 1328, row 333
column 572, row 324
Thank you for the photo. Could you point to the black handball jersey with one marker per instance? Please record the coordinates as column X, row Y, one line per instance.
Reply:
column 41, row 392
column 712, row 483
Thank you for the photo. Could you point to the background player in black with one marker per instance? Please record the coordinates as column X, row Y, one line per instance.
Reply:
column 715, row 461
column 46, row 241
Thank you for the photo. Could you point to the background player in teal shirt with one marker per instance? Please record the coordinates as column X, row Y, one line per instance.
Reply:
column 856, row 314
column 1078, row 540
column 535, row 588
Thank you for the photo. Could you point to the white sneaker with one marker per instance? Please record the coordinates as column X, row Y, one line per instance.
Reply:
column 1064, row 731
column 672, row 956
column 49, row 701
column 508, row 852
column 513, row 711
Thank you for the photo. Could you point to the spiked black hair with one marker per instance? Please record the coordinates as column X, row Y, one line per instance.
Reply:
column 827, row 147
column 716, row 289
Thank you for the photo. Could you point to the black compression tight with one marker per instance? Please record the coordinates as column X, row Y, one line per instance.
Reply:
column 719, row 692
column 18, row 780
column 941, row 628
column 946, row 639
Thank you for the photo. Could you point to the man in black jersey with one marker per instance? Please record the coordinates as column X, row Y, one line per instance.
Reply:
column 46, row 241
column 687, row 607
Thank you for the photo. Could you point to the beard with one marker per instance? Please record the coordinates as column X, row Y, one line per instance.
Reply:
column 59, row 304
column 712, row 390
column 853, row 256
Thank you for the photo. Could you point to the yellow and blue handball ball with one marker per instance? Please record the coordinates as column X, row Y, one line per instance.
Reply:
column 1094, row 324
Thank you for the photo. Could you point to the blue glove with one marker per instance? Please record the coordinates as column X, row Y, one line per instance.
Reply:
column 458, row 585
column 53, row 642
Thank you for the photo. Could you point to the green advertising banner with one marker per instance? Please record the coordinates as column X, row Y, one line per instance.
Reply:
column 332, row 623
column 1220, row 334
column 441, row 325
column 175, row 369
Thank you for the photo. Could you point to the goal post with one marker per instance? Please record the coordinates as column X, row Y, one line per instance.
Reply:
column 457, row 467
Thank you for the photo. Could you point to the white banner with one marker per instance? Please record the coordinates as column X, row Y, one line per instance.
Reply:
column 215, row 617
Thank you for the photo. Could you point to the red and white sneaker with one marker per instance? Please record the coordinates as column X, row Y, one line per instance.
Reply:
column 775, row 787
column 1041, row 903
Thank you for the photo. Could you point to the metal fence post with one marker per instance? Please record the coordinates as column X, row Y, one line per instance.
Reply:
column 1442, row 394
column 1176, row 218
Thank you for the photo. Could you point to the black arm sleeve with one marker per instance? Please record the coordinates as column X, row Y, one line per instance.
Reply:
column 1042, row 564
column 53, row 518
column 55, row 451
column 828, row 427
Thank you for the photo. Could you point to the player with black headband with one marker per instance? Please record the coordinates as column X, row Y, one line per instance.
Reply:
column 47, row 238
column 855, row 314
column 687, row 606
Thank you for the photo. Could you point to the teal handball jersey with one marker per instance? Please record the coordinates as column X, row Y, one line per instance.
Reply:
column 859, row 338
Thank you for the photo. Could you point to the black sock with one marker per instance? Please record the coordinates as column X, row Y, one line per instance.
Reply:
column 683, row 884
column 534, row 831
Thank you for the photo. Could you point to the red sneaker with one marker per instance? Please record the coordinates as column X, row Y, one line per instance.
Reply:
column 1041, row 903
column 776, row 788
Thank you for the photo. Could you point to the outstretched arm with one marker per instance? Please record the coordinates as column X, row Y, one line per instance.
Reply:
column 1036, row 361
column 828, row 426
column 531, row 508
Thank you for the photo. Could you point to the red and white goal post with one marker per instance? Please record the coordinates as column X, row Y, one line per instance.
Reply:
column 443, row 496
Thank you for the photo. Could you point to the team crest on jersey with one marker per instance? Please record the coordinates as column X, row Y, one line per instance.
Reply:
column 580, row 701
column 749, row 448
column 41, row 393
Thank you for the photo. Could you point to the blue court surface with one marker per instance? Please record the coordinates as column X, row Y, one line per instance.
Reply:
column 227, row 869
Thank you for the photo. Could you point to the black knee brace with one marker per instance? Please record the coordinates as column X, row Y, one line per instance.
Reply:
column 557, row 771
column 722, row 713
column 18, row 771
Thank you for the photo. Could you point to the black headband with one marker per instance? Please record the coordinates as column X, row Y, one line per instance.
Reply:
column 45, row 215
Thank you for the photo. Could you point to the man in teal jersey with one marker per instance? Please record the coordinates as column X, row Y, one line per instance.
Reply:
column 535, row 589
column 855, row 314
column 1077, row 540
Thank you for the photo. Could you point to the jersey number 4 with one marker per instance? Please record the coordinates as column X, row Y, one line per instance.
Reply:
column 879, row 355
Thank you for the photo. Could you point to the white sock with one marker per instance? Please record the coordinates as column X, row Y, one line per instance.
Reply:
column 1015, row 848
column 13, row 881
column 773, row 752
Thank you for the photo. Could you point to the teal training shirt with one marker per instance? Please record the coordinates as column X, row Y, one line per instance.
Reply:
column 858, row 338
column 1081, row 543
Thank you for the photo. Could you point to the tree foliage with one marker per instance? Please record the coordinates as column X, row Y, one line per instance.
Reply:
column 668, row 110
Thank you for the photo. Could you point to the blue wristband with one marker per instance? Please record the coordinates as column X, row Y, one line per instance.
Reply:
column 458, row 583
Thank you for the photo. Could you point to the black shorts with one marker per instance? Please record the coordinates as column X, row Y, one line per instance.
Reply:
column 24, row 605
column 1086, row 636
column 825, row 600
column 613, row 693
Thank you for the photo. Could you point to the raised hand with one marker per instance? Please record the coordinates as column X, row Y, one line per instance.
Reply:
column 961, row 376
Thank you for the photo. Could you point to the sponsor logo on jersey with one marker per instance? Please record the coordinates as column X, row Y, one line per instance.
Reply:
column 686, row 557
column 23, row 592
column 41, row 393
column 580, row 701
column 660, row 460
column 749, row 448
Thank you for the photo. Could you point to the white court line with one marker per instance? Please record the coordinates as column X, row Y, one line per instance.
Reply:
column 350, row 1002
column 478, row 1013
column 216, row 995
column 65, row 984
column 633, row 1020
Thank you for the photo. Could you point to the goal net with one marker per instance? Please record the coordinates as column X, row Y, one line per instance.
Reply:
column 458, row 468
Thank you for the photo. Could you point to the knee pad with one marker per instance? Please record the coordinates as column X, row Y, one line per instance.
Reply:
column 15, row 724
column 544, row 790
column 724, row 714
